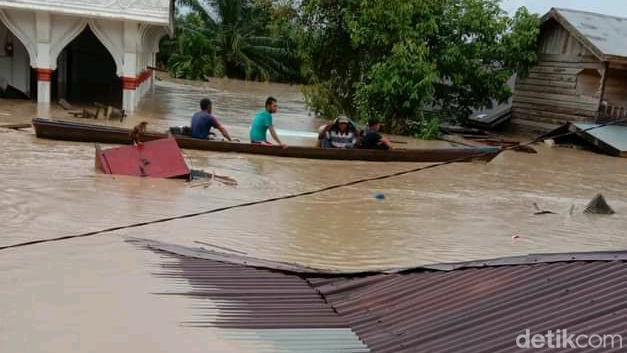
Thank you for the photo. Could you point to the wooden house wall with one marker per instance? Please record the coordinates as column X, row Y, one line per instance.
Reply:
column 564, row 86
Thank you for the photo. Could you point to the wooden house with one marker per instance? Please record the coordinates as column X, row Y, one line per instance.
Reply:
column 581, row 75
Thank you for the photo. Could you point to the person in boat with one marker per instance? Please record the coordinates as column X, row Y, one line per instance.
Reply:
column 263, row 122
column 372, row 138
column 341, row 133
column 204, row 120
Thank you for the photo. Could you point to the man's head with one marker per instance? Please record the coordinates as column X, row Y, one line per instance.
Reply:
column 343, row 122
column 374, row 124
column 271, row 105
column 205, row 104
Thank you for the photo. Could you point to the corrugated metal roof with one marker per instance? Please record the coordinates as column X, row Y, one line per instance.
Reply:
column 472, row 307
column 614, row 136
column 607, row 34
column 269, row 311
column 481, row 309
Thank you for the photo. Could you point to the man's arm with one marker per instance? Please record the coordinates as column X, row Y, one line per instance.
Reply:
column 385, row 142
column 224, row 132
column 275, row 136
column 323, row 132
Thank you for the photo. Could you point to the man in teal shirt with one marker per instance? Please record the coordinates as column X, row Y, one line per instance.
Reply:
column 263, row 122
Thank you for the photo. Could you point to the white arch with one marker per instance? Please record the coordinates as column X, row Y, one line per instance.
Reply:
column 56, row 50
column 30, row 47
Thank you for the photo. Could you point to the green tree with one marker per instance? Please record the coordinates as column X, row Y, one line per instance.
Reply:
column 395, row 58
column 235, row 39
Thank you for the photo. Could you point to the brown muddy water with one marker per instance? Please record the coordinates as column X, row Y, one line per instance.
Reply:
column 92, row 294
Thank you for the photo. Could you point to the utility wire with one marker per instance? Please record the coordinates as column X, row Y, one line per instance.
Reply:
column 292, row 196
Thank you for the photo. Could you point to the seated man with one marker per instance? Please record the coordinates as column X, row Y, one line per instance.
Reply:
column 203, row 121
column 340, row 133
column 262, row 123
column 372, row 139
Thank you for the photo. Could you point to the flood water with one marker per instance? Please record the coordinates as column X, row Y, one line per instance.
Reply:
column 75, row 295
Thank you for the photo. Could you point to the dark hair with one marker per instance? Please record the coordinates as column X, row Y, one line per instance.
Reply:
column 373, row 122
column 205, row 103
column 270, row 100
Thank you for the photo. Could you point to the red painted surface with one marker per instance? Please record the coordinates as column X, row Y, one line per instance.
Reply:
column 159, row 159
column 129, row 83
column 44, row 75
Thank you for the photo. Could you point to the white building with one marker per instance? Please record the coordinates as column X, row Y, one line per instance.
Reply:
column 82, row 50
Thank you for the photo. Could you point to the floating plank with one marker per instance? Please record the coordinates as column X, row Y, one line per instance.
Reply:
column 15, row 126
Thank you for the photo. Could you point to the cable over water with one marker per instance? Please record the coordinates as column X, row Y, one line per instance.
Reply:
column 285, row 197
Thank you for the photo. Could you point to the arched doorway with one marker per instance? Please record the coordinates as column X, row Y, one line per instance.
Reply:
column 86, row 73
column 15, row 70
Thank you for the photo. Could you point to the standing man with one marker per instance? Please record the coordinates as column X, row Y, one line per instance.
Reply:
column 203, row 121
column 263, row 122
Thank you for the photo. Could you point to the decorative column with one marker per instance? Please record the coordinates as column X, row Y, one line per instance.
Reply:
column 44, row 71
column 129, row 70
column 129, row 95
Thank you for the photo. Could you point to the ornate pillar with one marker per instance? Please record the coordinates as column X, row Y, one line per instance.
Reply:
column 44, row 71
column 43, row 85
column 129, row 70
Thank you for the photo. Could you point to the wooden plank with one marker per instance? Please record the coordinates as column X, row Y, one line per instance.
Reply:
column 567, row 58
column 548, row 115
column 556, row 64
column 547, row 83
column 572, row 99
column 524, row 115
column 548, row 89
column 553, row 77
column 15, row 126
column 557, row 104
column 555, row 109
column 556, row 70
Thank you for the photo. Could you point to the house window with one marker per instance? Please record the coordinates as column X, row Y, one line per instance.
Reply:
column 589, row 83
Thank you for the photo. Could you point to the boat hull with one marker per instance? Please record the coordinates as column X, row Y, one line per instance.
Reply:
column 79, row 132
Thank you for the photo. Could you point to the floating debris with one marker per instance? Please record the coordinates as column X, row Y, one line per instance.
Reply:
column 205, row 179
column 540, row 211
column 598, row 205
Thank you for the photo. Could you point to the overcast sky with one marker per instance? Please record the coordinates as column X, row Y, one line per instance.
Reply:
column 609, row 7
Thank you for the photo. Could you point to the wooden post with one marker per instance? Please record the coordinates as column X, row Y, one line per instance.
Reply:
column 603, row 82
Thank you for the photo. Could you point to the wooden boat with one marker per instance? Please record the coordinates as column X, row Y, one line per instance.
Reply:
column 71, row 131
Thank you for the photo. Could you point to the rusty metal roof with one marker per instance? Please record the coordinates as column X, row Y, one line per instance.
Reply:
column 604, row 35
column 268, row 311
column 480, row 309
column 472, row 307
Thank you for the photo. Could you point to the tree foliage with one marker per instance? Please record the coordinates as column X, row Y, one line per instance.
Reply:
column 395, row 59
column 234, row 38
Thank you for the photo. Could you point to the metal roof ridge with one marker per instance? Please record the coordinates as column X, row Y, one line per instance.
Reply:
column 588, row 13
column 292, row 268
column 530, row 259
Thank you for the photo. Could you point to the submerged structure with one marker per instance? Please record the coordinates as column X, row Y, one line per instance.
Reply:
column 82, row 51
column 581, row 75
column 158, row 158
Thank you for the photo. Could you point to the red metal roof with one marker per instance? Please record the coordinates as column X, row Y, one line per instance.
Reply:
column 159, row 158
